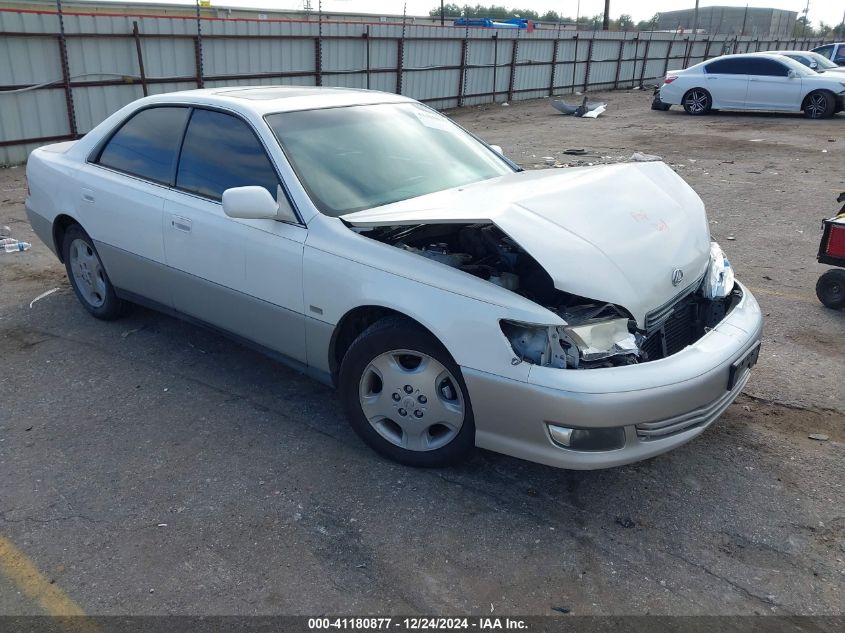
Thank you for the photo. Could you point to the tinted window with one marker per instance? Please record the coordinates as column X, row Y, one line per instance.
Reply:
column 732, row 66
column 766, row 67
column 800, row 58
column 147, row 144
column 824, row 50
column 221, row 151
column 840, row 54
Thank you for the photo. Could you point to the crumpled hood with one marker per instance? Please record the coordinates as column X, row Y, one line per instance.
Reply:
column 613, row 233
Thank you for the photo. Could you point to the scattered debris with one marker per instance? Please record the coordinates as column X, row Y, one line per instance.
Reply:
column 361, row 566
column 129, row 333
column 594, row 114
column 819, row 437
column 42, row 295
column 767, row 278
column 575, row 151
column 162, row 525
column 589, row 109
column 561, row 609
column 639, row 157
column 550, row 160
column 731, row 238
column 505, row 104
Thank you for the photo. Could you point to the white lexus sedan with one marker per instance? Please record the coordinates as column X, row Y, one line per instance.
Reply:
column 579, row 318
column 754, row 81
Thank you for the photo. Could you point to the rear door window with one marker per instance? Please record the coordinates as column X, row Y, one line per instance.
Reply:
column 732, row 66
column 840, row 55
column 220, row 152
column 147, row 144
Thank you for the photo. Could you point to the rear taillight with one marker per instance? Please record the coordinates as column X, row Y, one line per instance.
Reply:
column 836, row 241
column 670, row 78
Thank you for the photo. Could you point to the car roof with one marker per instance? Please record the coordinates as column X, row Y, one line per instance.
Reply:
column 263, row 100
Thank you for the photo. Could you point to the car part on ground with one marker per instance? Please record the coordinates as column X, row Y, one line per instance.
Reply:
column 585, row 108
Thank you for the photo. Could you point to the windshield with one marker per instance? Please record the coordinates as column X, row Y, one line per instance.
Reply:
column 823, row 61
column 359, row 157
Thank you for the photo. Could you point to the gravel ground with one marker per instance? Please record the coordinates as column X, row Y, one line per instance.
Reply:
column 151, row 467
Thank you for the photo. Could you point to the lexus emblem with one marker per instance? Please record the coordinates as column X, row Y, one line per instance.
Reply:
column 677, row 276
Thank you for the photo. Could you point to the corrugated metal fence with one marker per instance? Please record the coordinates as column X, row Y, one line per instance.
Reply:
column 62, row 77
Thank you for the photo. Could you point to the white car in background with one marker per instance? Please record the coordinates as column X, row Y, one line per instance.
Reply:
column 833, row 52
column 580, row 318
column 754, row 81
column 811, row 60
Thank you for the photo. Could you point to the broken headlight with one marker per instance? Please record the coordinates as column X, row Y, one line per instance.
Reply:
column 592, row 343
column 599, row 339
column 719, row 280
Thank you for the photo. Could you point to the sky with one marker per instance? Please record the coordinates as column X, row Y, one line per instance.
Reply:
column 828, row 11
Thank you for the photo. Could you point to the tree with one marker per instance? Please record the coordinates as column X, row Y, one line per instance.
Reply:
column 450, row 10
column 550, row 16
column 625, row 22
column 648, row 25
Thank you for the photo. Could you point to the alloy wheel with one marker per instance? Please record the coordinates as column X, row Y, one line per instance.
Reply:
column 816, row 105
column 697, row 101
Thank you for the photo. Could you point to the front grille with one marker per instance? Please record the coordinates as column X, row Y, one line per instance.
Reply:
column 681, row 327
column 656, row 317
column 696, row 418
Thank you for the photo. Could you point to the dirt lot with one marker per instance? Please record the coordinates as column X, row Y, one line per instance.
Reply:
column 149, row 466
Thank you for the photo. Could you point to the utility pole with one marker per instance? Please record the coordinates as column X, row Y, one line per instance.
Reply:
column 605, row 25
column 744, row 18
column 442, row 13
column 806, row 17
column 695, row 19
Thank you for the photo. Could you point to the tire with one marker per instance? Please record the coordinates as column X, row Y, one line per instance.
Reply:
column 697, row 101
column 405, row 396
column 819, row 104
column 88, row 276
column 830, row 289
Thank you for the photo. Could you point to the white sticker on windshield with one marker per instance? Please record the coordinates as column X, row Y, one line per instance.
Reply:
column 431, row 119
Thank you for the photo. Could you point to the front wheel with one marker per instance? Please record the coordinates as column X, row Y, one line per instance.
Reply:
column 405, row 396
column 697, row 101
column 819, row 105
column 88, row 276
column 830, row 289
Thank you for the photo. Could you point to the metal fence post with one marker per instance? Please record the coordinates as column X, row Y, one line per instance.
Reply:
column 141, row 72
column 366, row 36
column 555, row 47
column 645, row 59
column 495, row 62
column 589, row 61
column 198, row 50
column 514, row 51
column 619, row 63
column 462, row 77
column 63, row 60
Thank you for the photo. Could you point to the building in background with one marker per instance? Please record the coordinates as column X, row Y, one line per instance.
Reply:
column 757, row 22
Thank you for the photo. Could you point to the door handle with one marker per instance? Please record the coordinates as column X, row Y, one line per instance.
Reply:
column 180, row 224
column 88, row 195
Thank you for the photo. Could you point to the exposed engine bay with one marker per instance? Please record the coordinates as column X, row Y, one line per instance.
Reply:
column 596, row 335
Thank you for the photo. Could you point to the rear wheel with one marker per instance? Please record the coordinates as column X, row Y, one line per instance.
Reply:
column 697, row 101
column 405, row 396
column 88, row 276
column 819, row 105
column 830, row 289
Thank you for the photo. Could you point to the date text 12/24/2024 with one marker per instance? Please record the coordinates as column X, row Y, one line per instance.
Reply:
column 416, row 624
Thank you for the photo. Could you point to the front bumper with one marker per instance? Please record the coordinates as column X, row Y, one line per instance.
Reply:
column 660, row 404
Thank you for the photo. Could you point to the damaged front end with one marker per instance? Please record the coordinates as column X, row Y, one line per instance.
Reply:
column 595, row 334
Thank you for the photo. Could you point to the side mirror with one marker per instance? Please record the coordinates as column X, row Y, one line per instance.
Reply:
column 791, row 74
column 497, row 149
column 814, row 65
column 256, row 203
